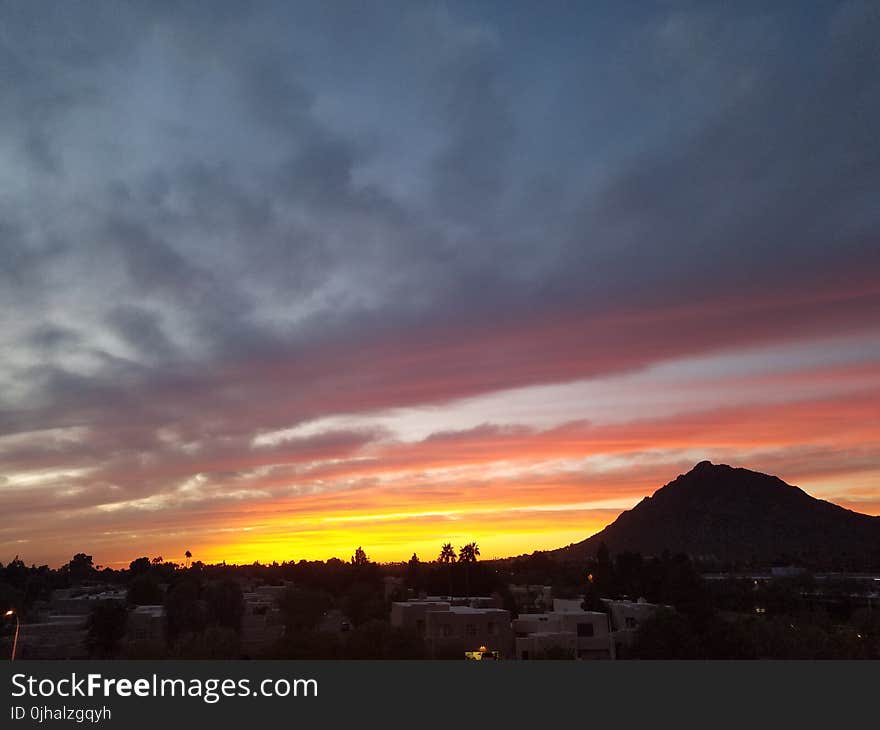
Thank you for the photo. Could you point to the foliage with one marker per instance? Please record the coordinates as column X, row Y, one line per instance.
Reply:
column 80, row 568
column 144, row 590
column 105, row 628
column 307, row 645
column 363, row 602
column 447, row 554
column 215, row 642
column 303, row 608
column 224, row 604
column 359, row 557
column 468, row 553
column 184, row 612
column 377, row 639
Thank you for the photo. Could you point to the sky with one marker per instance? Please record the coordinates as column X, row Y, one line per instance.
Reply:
column 282, row 279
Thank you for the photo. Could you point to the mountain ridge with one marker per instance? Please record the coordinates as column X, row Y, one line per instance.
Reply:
column 727, row 514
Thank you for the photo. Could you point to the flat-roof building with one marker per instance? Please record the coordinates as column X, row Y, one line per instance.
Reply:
column 567, row 630
column 450, row 630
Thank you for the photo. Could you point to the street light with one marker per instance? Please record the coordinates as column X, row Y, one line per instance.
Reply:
column 11, row 612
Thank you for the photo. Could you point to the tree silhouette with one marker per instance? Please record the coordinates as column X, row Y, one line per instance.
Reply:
column 302, row 608
column 188, row 555
column 105, row 628
column 144, row 590
column 80, row 567
column 363, row 602
column 414, row 572
column 225, row 604
column 604, row 582
column 139, row 566
column 467, row 554
column 184, row 612
column 447, row 554
column 447, row 557
column 359, row 557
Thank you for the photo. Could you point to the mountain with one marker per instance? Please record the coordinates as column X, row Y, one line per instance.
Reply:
column 737, row 515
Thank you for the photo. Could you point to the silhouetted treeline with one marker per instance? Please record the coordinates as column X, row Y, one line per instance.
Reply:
column 340, row 609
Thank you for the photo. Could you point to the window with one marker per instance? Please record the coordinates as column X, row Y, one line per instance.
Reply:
column 470, row 629
column 630, row 622
column 585, row 630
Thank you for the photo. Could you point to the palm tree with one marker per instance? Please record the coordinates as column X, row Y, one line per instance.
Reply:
column 188, row 556
column 467, row 554
column 447, row 556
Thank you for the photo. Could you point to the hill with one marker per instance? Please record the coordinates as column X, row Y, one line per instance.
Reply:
column 737, row 515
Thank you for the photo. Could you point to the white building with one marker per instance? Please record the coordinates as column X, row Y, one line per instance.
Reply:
column 451, row 630
column 411, row 614
column 566, row 631
column 627, row 616
column 531, row 597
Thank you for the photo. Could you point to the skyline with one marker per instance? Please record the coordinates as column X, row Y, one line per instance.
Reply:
column 279, row 282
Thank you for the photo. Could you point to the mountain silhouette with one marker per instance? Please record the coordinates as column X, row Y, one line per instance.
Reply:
column 721, row 513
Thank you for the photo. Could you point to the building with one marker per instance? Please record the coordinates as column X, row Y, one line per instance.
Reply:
column 262, row 623
column 531, row 598
column 81, row 601
column 55, row 637
column 627, row 616
column 454, row 630
column 566, row 631
column 60, row 628
column 460, row 629
column 411, row 614
column 146, row 623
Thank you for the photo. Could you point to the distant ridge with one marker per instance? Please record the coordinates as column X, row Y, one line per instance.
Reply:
column 736, row 515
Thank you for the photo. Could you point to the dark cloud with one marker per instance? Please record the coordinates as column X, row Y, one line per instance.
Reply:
column 143, row 330
column 471, row 173
column 48, row 338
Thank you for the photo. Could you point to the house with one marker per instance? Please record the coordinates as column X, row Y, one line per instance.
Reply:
column 460, row 629
column 529, row 598
column 146, row 623
column 262, row 622
column 454, row 630
column 627, row 616
column 566, row 631
column 411, row 614
column 58, row 636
